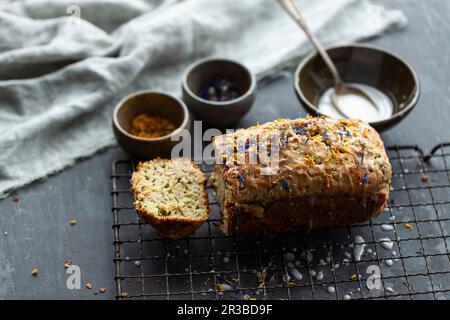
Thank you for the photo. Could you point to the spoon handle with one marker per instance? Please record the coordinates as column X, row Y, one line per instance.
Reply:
column 292, row 10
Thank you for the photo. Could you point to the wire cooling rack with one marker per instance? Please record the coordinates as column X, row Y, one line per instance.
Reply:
column 320, row 264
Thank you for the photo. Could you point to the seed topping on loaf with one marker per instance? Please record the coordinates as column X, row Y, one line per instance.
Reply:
column 313, row 172
column 346, row 155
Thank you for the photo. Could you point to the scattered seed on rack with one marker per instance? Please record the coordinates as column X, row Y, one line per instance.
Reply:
column 319, row 276
column 289, row 256
column 387, row 227
column 331, row 290
column 424, row 178
column 102, row 290
column 386, row 243
column 35, row 272
column 389, row 262
column 293, row 271
column 307, row 254
column 408, row 226
column 137, row 263
column 347, row 297
column 15, row 199
column 6, row 233
column 226, row 259
column 89, row 285
column 72, row 222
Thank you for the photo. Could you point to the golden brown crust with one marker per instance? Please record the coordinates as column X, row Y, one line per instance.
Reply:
column 319, row 158
column 171, row 227
column 301, row 214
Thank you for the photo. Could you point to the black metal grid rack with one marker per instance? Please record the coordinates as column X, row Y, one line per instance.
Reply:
column 209, row 265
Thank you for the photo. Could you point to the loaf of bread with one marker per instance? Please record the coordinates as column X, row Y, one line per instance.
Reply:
column 312, row 172
column 171, row 196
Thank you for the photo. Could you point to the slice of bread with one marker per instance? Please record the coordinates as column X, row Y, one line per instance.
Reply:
column 171, row 196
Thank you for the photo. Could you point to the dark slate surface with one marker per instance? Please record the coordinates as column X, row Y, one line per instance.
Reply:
column 39, row 234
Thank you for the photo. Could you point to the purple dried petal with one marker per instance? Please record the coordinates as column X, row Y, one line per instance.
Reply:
column 286, row 185
column 366, row 178
column 348, row 133
column 241, row 178
column 299, row 130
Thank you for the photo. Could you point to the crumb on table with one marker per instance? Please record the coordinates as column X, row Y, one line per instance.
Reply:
column 67, row 263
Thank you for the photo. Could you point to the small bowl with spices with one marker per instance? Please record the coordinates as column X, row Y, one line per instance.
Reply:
column 218, row 91
column 145, row 122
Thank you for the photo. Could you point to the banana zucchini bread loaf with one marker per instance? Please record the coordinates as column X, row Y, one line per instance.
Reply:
column 326, row 173
column 171, row 196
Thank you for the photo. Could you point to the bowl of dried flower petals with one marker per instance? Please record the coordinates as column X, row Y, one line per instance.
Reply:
column 218, row 91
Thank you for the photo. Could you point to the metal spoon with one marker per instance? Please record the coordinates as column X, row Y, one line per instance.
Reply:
column 340, row 88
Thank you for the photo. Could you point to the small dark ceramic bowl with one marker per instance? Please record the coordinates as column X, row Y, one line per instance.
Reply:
column 154, row 104
column 360, row 64
column 219, row 114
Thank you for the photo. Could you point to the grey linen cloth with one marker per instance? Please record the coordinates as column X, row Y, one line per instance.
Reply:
column 64, row 64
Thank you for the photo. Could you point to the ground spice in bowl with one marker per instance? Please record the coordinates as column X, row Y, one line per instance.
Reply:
column 218, row 89
column 146, row 126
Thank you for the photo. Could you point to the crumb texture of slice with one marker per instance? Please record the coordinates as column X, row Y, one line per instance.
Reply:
column 171, row 195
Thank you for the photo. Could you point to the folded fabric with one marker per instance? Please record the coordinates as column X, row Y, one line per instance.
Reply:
column 63, row 66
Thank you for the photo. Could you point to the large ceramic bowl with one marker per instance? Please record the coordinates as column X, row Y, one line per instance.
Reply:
column 360, row 64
